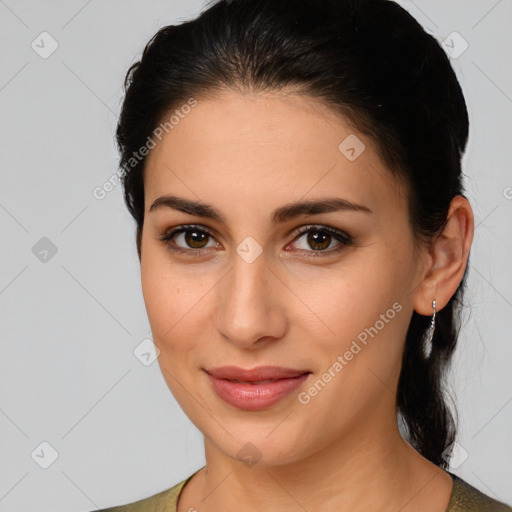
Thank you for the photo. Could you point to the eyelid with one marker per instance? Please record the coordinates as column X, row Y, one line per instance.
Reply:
column 321, row 227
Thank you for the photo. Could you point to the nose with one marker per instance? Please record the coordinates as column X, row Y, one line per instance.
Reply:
column 251, row 302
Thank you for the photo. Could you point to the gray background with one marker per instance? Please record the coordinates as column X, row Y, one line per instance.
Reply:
column 70, row 321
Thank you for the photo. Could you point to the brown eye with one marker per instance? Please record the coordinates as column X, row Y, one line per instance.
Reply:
column 195, row 239
column 320, row 238
column 187, row 239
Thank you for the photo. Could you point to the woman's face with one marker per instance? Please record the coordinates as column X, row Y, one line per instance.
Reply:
column 246, row 289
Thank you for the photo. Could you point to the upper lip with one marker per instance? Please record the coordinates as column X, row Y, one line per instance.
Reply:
column 255, row 374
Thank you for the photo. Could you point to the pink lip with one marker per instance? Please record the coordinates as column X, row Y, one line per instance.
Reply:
column 255, row 389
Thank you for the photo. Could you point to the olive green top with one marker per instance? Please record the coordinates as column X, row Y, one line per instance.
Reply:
column 464, row 498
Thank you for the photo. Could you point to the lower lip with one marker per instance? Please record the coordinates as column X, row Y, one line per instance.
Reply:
column 254, row 397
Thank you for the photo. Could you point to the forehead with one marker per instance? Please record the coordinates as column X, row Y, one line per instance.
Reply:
column 273, row 148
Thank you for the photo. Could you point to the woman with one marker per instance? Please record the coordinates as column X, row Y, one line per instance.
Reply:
column 293, row 168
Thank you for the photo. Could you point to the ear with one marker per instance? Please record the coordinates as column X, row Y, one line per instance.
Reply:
column 449, row 256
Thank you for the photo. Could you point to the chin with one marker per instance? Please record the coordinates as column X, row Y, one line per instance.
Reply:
column 272, row 443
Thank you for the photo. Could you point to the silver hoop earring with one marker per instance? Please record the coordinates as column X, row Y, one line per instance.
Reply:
column 427, row 346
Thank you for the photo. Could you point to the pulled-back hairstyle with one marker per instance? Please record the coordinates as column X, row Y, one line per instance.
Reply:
column 370, row 61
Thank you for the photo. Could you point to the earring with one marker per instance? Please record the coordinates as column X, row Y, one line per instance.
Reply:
column 427, row 347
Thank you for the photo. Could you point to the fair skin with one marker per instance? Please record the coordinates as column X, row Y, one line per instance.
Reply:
column 246, row 155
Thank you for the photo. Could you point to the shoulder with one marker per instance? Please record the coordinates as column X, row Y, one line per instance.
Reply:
column 466, row 498
column 164, row 501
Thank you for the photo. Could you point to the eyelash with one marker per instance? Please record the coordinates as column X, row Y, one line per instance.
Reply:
column 340, row 236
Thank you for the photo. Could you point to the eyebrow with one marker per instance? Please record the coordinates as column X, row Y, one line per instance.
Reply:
column 281, row 214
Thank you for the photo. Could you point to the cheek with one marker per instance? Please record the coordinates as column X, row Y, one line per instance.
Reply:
column 352, row 297
column 176, row 329
column 358, row 362
column 171, row 295
column 361, row 314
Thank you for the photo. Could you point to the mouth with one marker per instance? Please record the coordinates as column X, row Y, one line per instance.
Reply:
column 258, row 374
column 257, row 388
column 253, row 381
